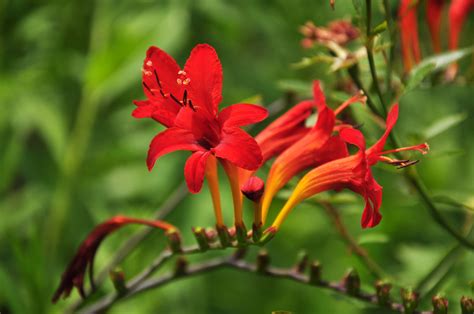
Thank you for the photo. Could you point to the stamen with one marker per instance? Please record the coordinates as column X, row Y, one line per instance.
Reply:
column 186, row 81
column 422, row 148
column 181, row 72
column 191, row 105
column 149, row 63
column 148, row 88
column 176, row 99
column 185, row 97
column 179, row 81
column 399, row 163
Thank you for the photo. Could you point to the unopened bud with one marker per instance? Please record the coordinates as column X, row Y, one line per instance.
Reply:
column 180, row 266
column 211, row 235
column 352, row 282
column 410, row 300
column 253, row 189
column 118, row 280
column 241, row 234
column 467, row 305
column 256, row 232
column 440, row 305
column 174, row 240
column 224, row 236
column 382, row 290
column 315, row 273
column 268, row 234
column 201, row 238
column 263, row 261
column 301, row 262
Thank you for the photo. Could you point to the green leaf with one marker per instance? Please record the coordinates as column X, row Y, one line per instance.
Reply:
column 418, row 74
column 357, row 5
column 434, row 63
column 369, row 238
column 443, row 125
column 382, row 27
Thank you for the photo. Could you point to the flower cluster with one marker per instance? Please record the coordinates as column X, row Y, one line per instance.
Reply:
column 185, row 102
column 458, row 11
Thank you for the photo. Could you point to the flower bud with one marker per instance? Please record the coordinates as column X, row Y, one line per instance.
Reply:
column 253, row 189
column 410, row 300
column 440, row 305
column 301, row 262
column 174, row 240
column 315, row 273
column 263, row 261
column 118, row 279
column 467, row 305
column 180, row 266
column 201, row 238
column 224, row 236
column 241, row 234
column 382, row 290
column 352, row 282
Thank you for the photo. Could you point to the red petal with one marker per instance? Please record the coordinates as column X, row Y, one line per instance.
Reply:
column 163, row 114
column 318, row 95
column 354, row 137
column 160, row 72
column 242, row 114
column 204, row 70
column 458, row 11
column 169, row 141
column 239, row 148
column 434, row 9
column 194, row 170
column 390, row 123
column 373, row 200
column 409, row 34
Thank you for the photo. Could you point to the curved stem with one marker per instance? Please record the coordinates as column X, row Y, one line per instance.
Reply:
column 240, row 265
column 374, row 268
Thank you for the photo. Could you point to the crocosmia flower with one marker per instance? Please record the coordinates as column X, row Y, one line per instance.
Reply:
column 434, row 9
column 352, row 172
column 410, row 43
column 317, row 147
column 84, row 258
column 186, row 101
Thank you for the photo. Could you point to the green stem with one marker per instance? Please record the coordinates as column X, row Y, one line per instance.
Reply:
column 392, row 32
column 369, row 46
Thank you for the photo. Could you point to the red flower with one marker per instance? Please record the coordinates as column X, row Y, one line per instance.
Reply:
column 186, row 101
column 74, row 274
column 434, row 9
column 317, row 147
column 458, row 11
column 409, row 34
column 285, row 131
column 352, row 172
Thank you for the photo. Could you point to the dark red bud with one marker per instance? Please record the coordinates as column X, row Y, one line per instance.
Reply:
column 253, row 188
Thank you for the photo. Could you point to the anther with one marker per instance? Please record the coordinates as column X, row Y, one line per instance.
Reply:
column 176, row 100
column 157, row 78
column 186, row 81
column 179, row 81
column 148, row 88
column 191, row 105
column 149, row 63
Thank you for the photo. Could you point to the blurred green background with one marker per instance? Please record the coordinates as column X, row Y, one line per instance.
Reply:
column 72, row 156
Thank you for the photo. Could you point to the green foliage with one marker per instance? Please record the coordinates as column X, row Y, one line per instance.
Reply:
column 71, row 155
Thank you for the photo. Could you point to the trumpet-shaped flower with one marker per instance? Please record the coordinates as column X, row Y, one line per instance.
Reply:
column 84, row 258
column 434, row 9
column 410, row 43
column 317, row 147
column 352, row 172
column 186, row 101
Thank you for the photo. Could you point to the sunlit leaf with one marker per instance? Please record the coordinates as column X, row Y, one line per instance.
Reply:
column 444, row 124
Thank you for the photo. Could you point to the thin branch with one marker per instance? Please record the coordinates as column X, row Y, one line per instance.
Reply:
column 370, row 55
column 240, row 265
column 363, row 255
